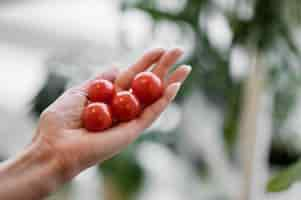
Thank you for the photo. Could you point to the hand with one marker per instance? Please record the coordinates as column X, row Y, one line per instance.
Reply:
column 61, row 134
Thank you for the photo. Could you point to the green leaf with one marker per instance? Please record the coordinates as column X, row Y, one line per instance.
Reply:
column 285, row 179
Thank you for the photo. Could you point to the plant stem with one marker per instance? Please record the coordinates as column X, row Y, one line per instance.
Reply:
column 248, row 123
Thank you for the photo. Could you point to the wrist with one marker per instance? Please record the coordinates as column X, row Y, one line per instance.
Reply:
column 46, row 166
column 35, row 173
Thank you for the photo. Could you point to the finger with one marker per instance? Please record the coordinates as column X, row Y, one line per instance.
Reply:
column 151, row 113
column 166, row 62
column 117, row 138
column 109, row 75
column 125, row 78
column 179, row 75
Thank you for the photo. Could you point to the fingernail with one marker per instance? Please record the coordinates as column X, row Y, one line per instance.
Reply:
column 188, row 68
column 114, row 69
column 178, row 51
column 174, row 88
column 112, row 72
column 159, row 50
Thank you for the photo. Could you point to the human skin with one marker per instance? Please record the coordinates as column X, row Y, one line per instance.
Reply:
column 62, row 148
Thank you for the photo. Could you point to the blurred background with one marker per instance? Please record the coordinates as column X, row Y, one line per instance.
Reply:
column 234, row 130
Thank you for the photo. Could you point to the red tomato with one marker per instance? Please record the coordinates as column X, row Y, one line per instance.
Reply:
column 101, row 91
column 125, row 106
column 147, row 87
column 97, row 117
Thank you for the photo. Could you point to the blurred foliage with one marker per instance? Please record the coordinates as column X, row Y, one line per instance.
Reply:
column 285, row 179
column 282, row 154
column 124, row 172
column 50, row 91
column 284, row 96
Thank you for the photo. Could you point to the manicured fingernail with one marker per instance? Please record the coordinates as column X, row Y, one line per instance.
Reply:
column 174, row 88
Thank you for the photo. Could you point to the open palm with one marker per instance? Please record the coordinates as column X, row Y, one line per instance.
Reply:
column 60, row 127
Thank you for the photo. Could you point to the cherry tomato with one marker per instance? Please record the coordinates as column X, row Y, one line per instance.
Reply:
column 97, row 117
column 125, row 106
column 147, row 87
column 101, row 91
